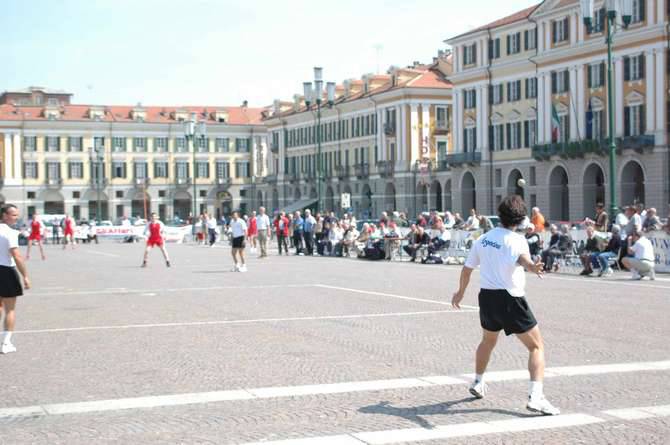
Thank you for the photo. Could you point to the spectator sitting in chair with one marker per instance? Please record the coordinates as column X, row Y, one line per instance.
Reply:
column 534, row 243
column 349, row 239
column 448, row 220
column 473, row 221
column 458, row 221
column 589, row 249
column 421, row 239
column 641, row 263
column 611, row 251
column 652, row 221
column 441, row 241
column 391, row 240
column 559, row 245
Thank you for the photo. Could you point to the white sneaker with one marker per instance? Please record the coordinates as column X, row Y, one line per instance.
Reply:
column 243, row 268
column 636, row 276
column 542, row 406
column 236, row 268
column 7, row 348
column 608, row 272
column 479, row 389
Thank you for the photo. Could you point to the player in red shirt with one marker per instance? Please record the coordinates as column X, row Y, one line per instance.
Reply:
column 36, row 232
column 154, row 231
column 252, row 231
column 68, row 231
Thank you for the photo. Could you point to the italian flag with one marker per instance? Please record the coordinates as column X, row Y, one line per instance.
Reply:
column 555, row 124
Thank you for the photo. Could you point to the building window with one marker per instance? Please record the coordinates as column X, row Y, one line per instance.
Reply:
column 202, row 169
column 242, row 145
column 596, row 75
column 140, row 144
column 202, row 144
column 182, row 170
column 223, row 145
column 498, row 177
column 595, row 128
column 118, row 144
column 633, row 67
column 180, row 145
column 30, row 143
column 496, row 94
column 160, row 169
column 496, row 137
column 638, row 11
column 560, row 30
column 75, row 170
column 441, row 150
column 53, row 143
column 118, row 169
column 470, row 54
column 514, row 91
column 441, row 118
column 119, row 194
column 141, row 170
column 514, row 135
column 242, row 169
column 469, row 139
column 161, row 145
column 564, row 129
column 633, row 120
column 514, row 43
column 470, row 99
column 222, row 170
column 530, row 133
column 74, row 144
column 30, row 170
column 494, row 49
column 598, row 25
column 53, row 170
column 530, row 39
column 560, row 82
column 532, row 176
column 99, row 142
column 531, row 88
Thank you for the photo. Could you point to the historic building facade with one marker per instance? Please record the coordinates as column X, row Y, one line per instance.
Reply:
column 510, row 77
column 385, row 140
column 143, row 161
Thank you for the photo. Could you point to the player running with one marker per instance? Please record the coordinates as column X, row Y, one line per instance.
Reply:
column 36, row 233
column 502, row 255
column 155, row 231
column 69, row 225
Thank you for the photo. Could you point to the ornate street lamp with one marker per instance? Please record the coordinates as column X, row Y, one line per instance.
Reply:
column 97, row 157
column 315, row 95
column 194, row 131
column 613, row 8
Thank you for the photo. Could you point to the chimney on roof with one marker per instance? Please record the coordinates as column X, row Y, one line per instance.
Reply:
column 276, row 107
column 245, row 104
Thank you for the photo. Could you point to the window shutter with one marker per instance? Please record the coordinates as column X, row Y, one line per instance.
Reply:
column 641, row 62
column 518, row 90
column 501, row 90
column 643, row 124
column 590, row 75
column 509, row 135
column 491, row 95
column 508, row 44
column 491, row 141
column 566, row 81
column 490, row 44
column 517, row 127
column 526, row 134
column 509, row 91
column 474, row 140
column 626, row 121
column 474, row 53
column 553, row 83
column 641, row 5
column 525, row 40
column 601, row 81
column 553, row 32
column 497, row 48
column 249, row 145
column 525, row 84
column 566, row 27
column 465, row 143
column 626, row 68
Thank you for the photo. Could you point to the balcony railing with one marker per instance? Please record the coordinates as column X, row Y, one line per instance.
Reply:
column 362, row 170
column 455, row 159
column 389, row 129
column 270, row 179
column 441, row 127
column 309, row 176
column 577, row 149
column 102, row 183
column 223, row 181
column 342, row 171
column 141, row 182
column 292, row 177
column 442, row 166
column 386, row 168
column 183, row 182
column 54, row 183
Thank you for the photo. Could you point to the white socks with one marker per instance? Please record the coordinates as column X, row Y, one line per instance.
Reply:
column 535, row 390
column 479, row 377
column 7, row 337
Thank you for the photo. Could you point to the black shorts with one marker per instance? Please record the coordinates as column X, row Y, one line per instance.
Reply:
column 238, row 242
column 499, row 310
column 10, row 283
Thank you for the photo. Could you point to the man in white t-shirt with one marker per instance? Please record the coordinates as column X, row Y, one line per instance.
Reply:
column 642, row 262
column 264, row 231
column 473, row 222
column 212, row 227
column 502, row 256
column 10, row 283
column 238, row 228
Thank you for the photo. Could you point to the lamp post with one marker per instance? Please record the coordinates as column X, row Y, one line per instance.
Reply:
column 97, row 157
column 193, row 131
column 612, row 9
column 315, row 95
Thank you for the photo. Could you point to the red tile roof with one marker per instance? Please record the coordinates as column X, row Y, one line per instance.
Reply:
column 508, row 20
column 120, row 113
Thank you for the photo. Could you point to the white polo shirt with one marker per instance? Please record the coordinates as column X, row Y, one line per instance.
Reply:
column 262, row 222
column 497, row 253
column 238, row 228
column 643, row 250
column 9, row 239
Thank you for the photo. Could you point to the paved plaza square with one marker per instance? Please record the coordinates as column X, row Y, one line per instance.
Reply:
column 310, row 350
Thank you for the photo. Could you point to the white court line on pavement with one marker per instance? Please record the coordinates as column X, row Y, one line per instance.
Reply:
column 611, row 282
column 95, row 252
column 242, row 321
column 446, row 431
column 292, row 391
column 642, row 412
column 171, row 289
column 401, row 297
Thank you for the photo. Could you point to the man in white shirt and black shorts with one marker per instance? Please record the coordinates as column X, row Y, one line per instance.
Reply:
column 10, row 283
column 238, row 227
column 502, row 255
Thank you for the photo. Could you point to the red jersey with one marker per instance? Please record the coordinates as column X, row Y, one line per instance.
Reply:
column 35, row 230
column 154, row 230
column 253, row 228
column 69, row 227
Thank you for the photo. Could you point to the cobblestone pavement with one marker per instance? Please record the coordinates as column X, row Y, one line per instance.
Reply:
column 112, row 353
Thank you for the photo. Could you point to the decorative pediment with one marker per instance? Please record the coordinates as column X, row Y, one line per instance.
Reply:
column 497, row 118
column 634, row 98
column 597, row 103
column 561, row 108
column 531, row 114
column 547, row 7
column 469, row 122
column 513, row 116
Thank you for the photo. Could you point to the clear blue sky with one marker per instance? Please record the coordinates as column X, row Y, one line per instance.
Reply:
column 220, row 52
